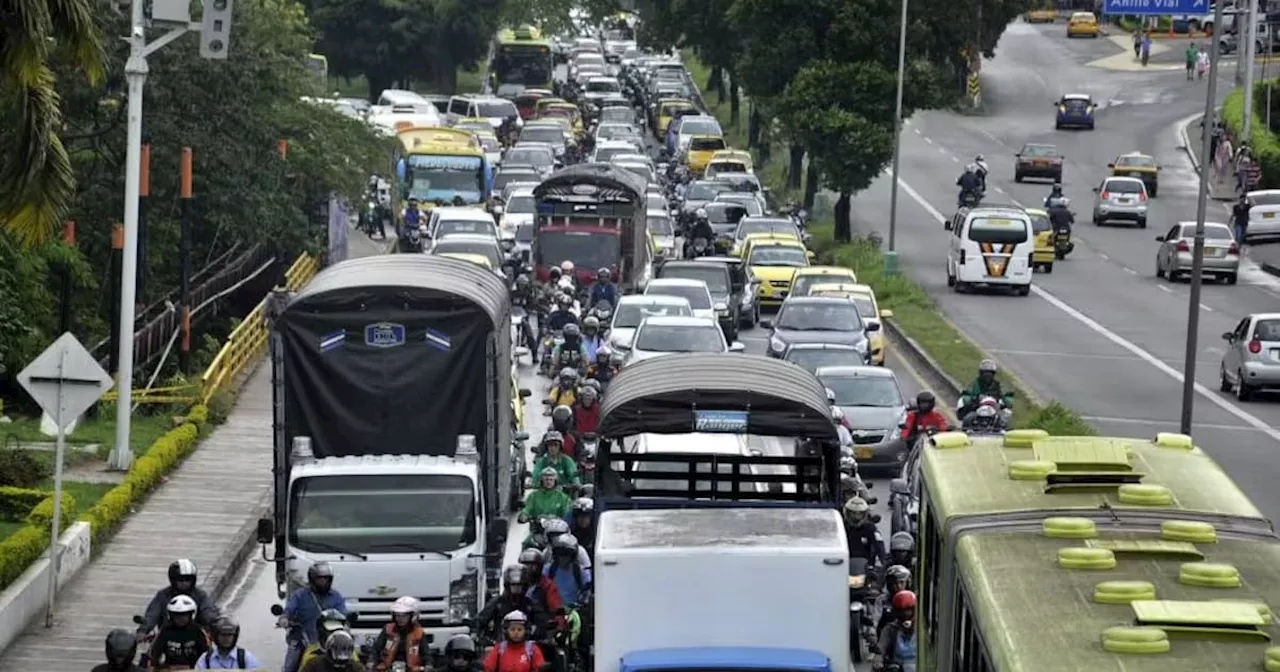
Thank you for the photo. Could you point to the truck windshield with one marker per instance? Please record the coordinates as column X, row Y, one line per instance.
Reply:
column 384, row 513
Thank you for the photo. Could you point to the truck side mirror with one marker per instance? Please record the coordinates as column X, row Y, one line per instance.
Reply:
column 266, row 530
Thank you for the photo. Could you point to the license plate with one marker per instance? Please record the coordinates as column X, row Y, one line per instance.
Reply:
column 1268, row 215
column 1124, row 201
column 1217, row 252
column 862, row 453
column 1040, row 164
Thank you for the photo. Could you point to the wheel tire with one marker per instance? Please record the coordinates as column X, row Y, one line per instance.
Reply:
column 1159, row 271
column 1152, row 191
column 1243, row 392
column 1224, row 385
column 1231, row 278
column 960, row 287
column 1024, row 290
column 1091, row 126
column 1048, row 268
column 951, row 280
column 1097, row 221
column 1017, row 177
column 1059, row 255
column 1142, row 223
column 1057, row 126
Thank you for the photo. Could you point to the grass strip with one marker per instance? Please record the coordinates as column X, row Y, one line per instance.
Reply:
column 914, row 312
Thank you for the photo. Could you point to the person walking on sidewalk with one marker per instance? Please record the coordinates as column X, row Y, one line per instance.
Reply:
column 1193, row 57
column 1240, row 218
column 1146, row 49
column 1202, row 62
column 1137, row 43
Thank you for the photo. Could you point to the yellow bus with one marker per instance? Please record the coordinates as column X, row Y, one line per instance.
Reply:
column 442, row 166
column 521, row 56
column 318, row 67
column 1043, row 553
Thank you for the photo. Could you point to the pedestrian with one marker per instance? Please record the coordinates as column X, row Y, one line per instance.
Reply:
column 1193, row 57
column 1202, row 62
column 1137, row 43
column 1240, row 218
column 1146, row 49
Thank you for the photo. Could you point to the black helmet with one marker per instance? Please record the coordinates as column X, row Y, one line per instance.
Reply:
column 925, row 401
column 554, row 273
column 572, row 329
column 182, row 570
column 225, row 625
column 460, row 644
column 513, row 575
column 121, row 647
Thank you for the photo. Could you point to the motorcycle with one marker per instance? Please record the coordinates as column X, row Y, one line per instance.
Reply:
column 587, row 449
column 700, row 247
column 990, row 418
column 861, row 598
column 293, row 637
column 970, row 198
column 1062, row 245
column 550, row 341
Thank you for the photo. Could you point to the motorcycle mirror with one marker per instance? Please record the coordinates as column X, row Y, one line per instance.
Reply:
column 520, row 436
column 525, row 393
column 872, row 501
column 1229, row 336
column 902, row 425
column 875, row 517
column 277, row 610
column 546, row 402
column 140, row 620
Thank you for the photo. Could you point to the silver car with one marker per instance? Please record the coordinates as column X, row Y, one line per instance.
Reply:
column 662, row 335
column 634, row 308
column 1221, row 254
column 873, row 407
column 1120, row 199
column 1252, row 359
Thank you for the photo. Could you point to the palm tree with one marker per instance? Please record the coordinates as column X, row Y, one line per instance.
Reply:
column 36, row 179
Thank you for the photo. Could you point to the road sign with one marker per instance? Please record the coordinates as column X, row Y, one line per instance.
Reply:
column 1156, row 7
column 65, row 380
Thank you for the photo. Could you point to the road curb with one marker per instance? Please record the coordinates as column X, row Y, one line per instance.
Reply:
column 924, row 364
column 1186, row 141
column 1272, row 269
column 237, row 553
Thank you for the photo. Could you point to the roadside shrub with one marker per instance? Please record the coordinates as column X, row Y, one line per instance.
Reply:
column 17, row 503
column 22, row 469
column 19, row 550
column 42, row 514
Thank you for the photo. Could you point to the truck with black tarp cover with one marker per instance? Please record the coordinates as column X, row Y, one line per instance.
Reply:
column 393, row 435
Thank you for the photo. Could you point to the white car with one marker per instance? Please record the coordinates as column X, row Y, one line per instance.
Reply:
column 634, row 308
column 465, row 243
column 520, row 209
column 451, row 221
column 1264, row 216
column 693, row 291
column 659, row 336
column 607, row 149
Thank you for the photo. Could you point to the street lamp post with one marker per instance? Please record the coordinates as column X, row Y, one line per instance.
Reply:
column 1197, row 254
column 897, row 130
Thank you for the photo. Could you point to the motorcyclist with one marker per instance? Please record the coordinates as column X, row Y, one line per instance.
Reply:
column 591, row 338
column 542, row 589
column 572, row 351
column 565, row 391
column 969, row 183
column 562, row 421
column 549, row 291
column 182, row 581
column 403, row 639
column 562, row 315
column 460, row 654
column 412, row 215
column 181, row 641
column 586, row 413
column 515, row 653
column 980, row 162
column 602, row 368
column 923, row 417
column 554, row 458
column 1055, row 193
column 121, row 647
column 339, row 655
column 582, row 524
column 860, row 530
column 566, row 570
column 224, row 654
column 514, row 598
column 567, row 270
column 701, row 229
column 898, row 640
column 902, row 549
column 897, row 578
column 985, row 385
column 330, row 621
column 304, row 607
column 842, row 430
column 986, row 417
column 1060, row 216
column 548, row 499
column 603, row 289
column 522, row 296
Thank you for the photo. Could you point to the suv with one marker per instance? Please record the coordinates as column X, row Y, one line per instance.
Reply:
column 726, row 280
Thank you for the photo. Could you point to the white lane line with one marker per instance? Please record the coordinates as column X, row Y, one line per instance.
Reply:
column 999, row 190
column 1077, row 355
column 954, row 158
column 1164, row 423
column 1103, row 257
column 916, row 130
column 1164, row 289
column 1130, row 271
column 1115, row 338
column 1205, row 308
column 928, row 140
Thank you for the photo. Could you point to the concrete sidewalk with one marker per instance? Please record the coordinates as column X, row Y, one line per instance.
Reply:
column 207, row 511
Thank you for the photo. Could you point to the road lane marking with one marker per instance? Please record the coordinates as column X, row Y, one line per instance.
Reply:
column 1078, row 355
column 1103, row 257
column 954, row 158
column 1205, row 308
column 1096, row 327
column 917, row 131
column 1164, row 289
column 928, row 140
column 1130, row 271
column 1163, row 423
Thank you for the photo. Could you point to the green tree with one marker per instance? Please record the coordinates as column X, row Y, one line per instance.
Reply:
column 36, row 178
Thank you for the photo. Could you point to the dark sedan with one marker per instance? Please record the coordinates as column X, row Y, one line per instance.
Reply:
column 817, row 319
column 1039, row 161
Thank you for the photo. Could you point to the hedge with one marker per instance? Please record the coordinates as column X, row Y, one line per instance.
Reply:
column 29, row 542
column 16, row 503
column 1266, row 147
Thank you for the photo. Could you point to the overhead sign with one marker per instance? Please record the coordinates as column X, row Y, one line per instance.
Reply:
column 1156, row 7
column 65, row 380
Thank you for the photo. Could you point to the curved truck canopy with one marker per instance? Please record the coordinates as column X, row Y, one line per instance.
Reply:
column 684, row 393
column 604, row 176
column 397, row 354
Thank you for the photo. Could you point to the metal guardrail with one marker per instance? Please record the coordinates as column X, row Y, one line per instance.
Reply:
column 249, row 339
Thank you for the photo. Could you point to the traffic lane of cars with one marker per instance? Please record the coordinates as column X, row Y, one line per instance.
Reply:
column 1062, row 357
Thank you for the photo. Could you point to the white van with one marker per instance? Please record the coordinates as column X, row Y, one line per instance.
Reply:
column 992, row 246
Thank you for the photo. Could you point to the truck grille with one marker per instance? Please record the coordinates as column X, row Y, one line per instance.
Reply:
column 375, row 612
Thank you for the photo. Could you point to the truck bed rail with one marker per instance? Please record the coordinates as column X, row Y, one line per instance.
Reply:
column 713, row 477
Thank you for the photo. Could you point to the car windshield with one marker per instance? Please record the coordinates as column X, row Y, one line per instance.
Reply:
column 671, row 338
column 654, row 202
column 766, row 226
column 1039, row 151
column 521, row 205
column 696, row 295
column 1210, row 232
column 550, row 134
column 1039, row 222
column 503, row 178
column 1265, row 197
column 585, row 250
column 529, row 156
column 800, row 285
column 706, row 144
column 1123, row 186
column 603, row 154
column 487, row 250
column 880, row 392
column 490, row 143
column 389, row 513
column 705, row 191
column 777, row 255
column 825, row 316
column 998, row 230
column 716, row 277
column 725, row 213
column 621, row 115
column 603, row 86
column 448, row 227
column 630, row 315
column 700, row 127
column 524, row 233
column 660, row 226
column 1136, row 161
column 813, row 358
column 497, row 109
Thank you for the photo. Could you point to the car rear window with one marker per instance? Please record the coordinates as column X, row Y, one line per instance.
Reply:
column 1139, row 161
column 706, row 144
column 1210, row 232
column 1265, row 198
column 1039, row 150
column 1267, row 330
column 1039, row 223
column 1123, row 187
column 997, row 230
column 1076, row 102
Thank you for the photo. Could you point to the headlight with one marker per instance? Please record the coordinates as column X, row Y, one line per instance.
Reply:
column 776, row 344
column 722, row 308
column 463, row 597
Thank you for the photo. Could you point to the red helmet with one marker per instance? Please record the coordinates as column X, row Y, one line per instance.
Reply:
column 904, row 600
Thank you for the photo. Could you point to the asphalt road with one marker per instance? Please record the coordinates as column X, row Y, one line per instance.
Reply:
column 252, row 599
column 1101, row 334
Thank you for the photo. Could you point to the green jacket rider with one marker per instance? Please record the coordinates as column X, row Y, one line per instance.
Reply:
column 985, row 385
column 566, row 469
column 548, row 499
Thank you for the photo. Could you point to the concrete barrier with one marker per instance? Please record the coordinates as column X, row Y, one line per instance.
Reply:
column 27, row 597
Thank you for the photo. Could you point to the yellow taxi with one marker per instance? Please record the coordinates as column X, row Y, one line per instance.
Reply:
column 773, row 262
column 665, row 110
column 1082, row 24
column 544, row 103
column 566, row 113
column 741, row 246
column 1042, row 254
column 1041, row 15
column 477, row 259
column 729, row 161
column 807, row 278
column 1139, row 165
column 474, row 124
column 700, row 149
column 868, row 308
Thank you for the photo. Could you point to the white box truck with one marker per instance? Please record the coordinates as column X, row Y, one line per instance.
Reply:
column 713, row 589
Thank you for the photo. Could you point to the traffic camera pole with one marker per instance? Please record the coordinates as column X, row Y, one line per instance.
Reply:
column 184, row 256
column 1248, row 53
column 1197, row 253
column 897, row 133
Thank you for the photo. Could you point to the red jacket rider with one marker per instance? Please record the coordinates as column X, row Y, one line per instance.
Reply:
column 515, row 653
column 923, row 417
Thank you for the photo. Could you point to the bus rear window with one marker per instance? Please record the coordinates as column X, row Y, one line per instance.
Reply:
column 997, row 230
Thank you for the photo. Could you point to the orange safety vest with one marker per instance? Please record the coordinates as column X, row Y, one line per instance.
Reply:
column 411, row 659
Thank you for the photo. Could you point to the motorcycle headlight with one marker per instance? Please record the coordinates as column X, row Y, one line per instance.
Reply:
column 463, row 597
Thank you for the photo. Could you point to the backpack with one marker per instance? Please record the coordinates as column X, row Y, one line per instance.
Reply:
column 240, row 664
column 528, row 648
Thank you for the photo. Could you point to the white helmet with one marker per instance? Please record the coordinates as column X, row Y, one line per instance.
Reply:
column 971, row 168
column 566, row 266
column 837, row 413
column 181, row 604
column 701, row 213
column 405, row 605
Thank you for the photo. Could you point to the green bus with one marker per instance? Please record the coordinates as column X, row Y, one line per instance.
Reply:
column 1049, row 554
column 318, row 67
column 521, row 56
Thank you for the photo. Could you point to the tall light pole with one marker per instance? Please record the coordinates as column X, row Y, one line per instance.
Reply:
column 1197, row 254
column 1249, row 54
column 897, row 129
column 215, row 28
